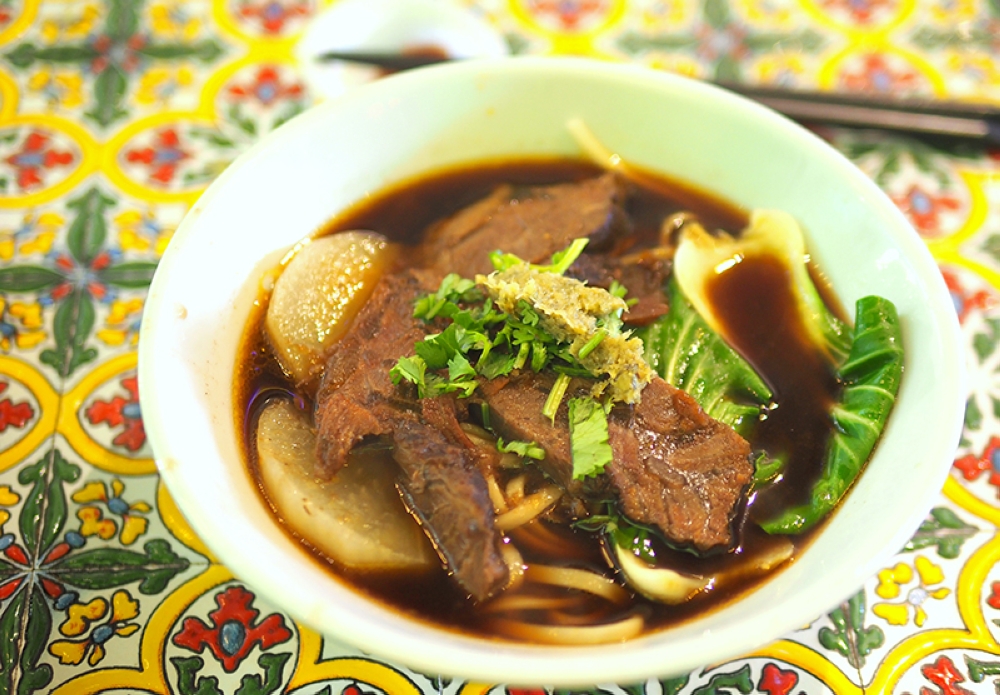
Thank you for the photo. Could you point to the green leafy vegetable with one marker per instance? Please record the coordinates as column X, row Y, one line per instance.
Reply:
column 560, row 263
column 688, row 354
column 702, row 256
column 687, row 348
column 766, row 469
column 529, row 450
column 588, row 432
column 623, row 532
column 871, row 377
column 484, row 338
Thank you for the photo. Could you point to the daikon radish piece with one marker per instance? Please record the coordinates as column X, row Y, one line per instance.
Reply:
column 318, row 294
column 357, row 518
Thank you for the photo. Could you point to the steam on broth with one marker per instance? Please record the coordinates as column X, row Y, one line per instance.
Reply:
column 565, row 561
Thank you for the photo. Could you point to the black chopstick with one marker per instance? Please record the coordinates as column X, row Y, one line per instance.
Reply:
column 386, row 61
column 949, row 119
column 912, row 114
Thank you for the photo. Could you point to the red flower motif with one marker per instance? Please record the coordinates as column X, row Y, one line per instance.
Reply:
column 972, row 466
column 994, row 599
column 861, row 11
column 272, row 14
column 944, row 675
column 923, row 208
column 715, row 44
column 122, row 412
column 876, row 75
column 267, row 87
column 22, row 570
column 569, row 14
column 965, row 301
column 233, row 632
column 78, row 276
column 777, row 681
column 163, row 158
column 13, row 414
column 35, row 157
column 124, row 53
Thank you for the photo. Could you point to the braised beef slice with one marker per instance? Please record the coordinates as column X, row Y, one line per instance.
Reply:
column 678, row 469
column 643, row 274
column 448, row 493
column 356, row 396
column 441, row 478
column 515, row 406
column 532, row 223
column 674, row 467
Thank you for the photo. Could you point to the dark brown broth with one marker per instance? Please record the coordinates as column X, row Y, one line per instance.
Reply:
column 758, row 317
column 765, row 326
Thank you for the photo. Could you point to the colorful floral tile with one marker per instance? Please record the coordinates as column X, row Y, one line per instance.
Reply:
column 115, row 115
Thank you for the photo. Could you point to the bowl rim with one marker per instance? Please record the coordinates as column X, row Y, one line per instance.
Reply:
column 464, row 655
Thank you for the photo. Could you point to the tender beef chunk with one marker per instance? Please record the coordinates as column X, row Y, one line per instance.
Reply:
column 356, row 397
column 678, row 469
column 532, row 224
column 441, row 477
column 516, row 405
column 674, row 467
column 643, row 274
column 448, row 494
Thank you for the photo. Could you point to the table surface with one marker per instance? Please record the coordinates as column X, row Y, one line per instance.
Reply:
column 114, row 116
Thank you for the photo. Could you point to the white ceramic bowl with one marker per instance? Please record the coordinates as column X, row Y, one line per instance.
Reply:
column 300, row 176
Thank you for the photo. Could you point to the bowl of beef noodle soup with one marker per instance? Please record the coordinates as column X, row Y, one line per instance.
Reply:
column 549, row 372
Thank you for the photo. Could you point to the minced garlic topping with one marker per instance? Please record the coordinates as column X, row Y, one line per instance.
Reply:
column 574, row 312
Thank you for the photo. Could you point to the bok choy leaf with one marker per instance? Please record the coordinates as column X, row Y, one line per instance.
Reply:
column 688, row 354
column 701, row 256
column 871, row 377
column 688, row 349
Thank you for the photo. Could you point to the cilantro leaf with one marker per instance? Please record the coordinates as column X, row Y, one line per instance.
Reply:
column 560, row 263
column 588, row 435
column 412, row 369
column 523, row 449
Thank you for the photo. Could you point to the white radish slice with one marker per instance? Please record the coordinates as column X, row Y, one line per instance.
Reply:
column 319, row 293
column 357, row 518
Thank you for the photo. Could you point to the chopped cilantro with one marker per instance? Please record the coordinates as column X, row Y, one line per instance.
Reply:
column 560, row 263
column 479, row 341
column 523, row 449
column 556, row 394
column 412, row 369
column 588, row 348
column 588, row 435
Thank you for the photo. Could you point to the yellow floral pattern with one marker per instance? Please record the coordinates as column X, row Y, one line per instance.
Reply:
column 141, row 231
column 33, row 237
column 61, row 89
column 23, row 324
column 93, row 522
column 79, row 621
column 122, row 324
column 102, row 152
column 8, row 498
column 173, row 20
column 890, row 586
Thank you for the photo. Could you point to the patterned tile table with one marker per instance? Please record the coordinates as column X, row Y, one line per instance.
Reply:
column 114, row 116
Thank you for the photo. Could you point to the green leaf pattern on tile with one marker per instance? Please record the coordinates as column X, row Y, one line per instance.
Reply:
column 849, row 637
column 45, row 568
column 943, row 529
column 117, row 55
